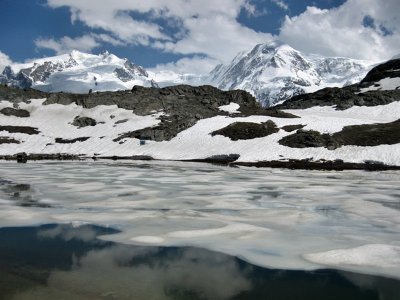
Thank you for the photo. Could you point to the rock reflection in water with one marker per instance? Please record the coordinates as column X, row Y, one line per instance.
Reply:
column 69, row 262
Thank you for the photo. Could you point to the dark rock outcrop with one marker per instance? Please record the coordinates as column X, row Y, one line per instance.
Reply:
column 246, row 131
column 20, row 129
column 357, row 135
column 16, row 95
column 305, row 139
column 20, row 113
column 370, row 135
column 290, row 128
column 221, row 159
column 71, row 141
column 8, row 140
column 121, row 121
column 341, row 98
column 84, row 122
column 390, row 69
column 203, row 100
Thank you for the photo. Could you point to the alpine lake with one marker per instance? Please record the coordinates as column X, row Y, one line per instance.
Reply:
column 175, row 230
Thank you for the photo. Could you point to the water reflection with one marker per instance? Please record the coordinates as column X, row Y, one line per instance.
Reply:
column 68, row 262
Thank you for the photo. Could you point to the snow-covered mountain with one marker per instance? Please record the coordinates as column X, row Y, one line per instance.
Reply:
column 77, row 72
column 274, row 72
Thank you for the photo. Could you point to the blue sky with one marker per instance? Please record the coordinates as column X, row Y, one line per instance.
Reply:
column 197, row 34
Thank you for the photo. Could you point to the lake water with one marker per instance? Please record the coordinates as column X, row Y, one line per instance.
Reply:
column 236, row 223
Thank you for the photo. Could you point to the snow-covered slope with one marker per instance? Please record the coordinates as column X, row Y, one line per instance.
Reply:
column 77, row 72
column 54, row 122
column 274, row 72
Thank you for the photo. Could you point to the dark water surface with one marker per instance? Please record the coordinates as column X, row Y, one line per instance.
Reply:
column 69, row 262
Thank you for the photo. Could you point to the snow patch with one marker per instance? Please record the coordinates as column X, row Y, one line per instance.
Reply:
column 231, row 108
column 386, row 84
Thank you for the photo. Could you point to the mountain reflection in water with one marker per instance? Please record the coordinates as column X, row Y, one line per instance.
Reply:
column 69, row 262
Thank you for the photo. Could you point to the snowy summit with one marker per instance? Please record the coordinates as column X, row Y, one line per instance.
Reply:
column 77, row 72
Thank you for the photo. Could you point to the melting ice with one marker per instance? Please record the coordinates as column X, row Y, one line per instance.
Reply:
column 270, row 217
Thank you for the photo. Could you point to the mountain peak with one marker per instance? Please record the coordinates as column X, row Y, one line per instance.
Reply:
column 274, row 71
column 274, row 47
column 77, row 72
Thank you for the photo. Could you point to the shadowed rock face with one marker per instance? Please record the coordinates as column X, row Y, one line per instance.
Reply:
column 357, row 135
column 246, row 131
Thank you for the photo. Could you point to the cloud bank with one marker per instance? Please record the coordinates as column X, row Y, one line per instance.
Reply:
column 344, row 31
column 208, row 32
column 176, row 26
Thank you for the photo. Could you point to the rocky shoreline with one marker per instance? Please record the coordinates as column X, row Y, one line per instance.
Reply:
column 223, row 160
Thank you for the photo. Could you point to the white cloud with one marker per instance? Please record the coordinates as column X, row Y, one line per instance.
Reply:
column 188, row 65
column 211, row 29
column 282, row 4
column 218, row 37
column 105, row 38
column 4, row 61
column 206, row 27
column 340, row 31
column 85, row 43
